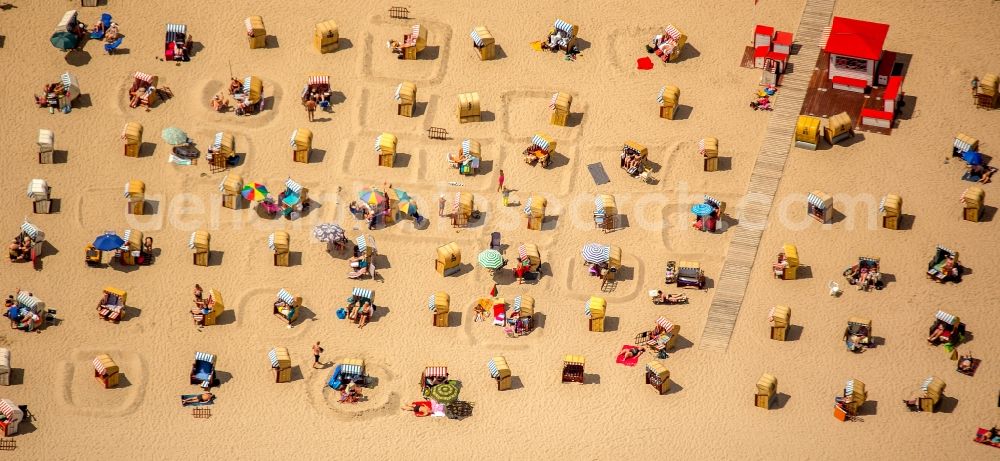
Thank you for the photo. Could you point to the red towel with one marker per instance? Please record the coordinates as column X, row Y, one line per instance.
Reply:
column 630, row 362
column 644, row 63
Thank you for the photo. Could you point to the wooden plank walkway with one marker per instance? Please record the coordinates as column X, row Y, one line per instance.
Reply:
column 764, row 179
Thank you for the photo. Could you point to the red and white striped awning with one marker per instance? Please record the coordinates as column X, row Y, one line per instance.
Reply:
column 8, row 410
column 319, row 80
column 98, row 366
column 664, row 323
column 436, row 371
column 144, row 77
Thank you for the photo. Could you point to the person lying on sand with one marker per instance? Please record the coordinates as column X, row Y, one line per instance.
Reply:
column 965, row 362
column 631, row 353
column 419, row 409
column 200, row 398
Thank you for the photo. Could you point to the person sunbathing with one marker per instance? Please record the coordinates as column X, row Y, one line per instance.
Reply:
column 219, row 103
column 235, row 86
column 112, row 33
column 632, row 353
column 988, row 436
column 419, row 409
column 965, row 363
column 200, row 398
column 350, row 394
column 365, row 314
column 936, row 334
column 199, row 299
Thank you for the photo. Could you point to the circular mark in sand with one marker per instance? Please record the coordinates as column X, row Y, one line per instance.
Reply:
column 379, row 398
column 83, row 394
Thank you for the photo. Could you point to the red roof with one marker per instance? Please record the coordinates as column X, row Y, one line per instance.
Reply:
column 857, row 39
column 783, row 38
column 763, row 30
column 875, row 113
column 778, row 56
column 892, row 90
column 761, row 51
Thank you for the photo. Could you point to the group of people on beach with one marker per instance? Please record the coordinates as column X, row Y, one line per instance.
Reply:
column 20, row 248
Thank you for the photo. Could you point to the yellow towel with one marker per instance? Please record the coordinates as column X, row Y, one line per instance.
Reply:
column 537, row 46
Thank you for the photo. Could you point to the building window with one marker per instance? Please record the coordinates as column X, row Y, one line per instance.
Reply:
column 846, row 63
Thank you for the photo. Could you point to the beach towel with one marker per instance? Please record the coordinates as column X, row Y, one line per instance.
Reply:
column 630, row 362
column 971, row 372
column 980, row 438
column 195, row 404
column 598, row 174
column 499, row 315
column 644, row 63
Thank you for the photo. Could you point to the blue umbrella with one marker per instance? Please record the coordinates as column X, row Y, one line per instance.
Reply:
column 64, row 40
column 972, row 157
column 702, row 209
column 109, row 241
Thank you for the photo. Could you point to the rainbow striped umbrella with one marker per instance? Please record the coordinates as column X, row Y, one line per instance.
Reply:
column 407, row 207
column 372, row 197
column 254, row 191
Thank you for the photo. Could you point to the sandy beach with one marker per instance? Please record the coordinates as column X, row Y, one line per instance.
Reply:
column 708, row 412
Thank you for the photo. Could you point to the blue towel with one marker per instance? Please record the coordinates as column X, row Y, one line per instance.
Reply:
column 109, row 47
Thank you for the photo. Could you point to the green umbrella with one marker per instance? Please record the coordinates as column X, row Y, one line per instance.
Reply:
column 491, row 259
column 64, row 40
column 444, row 393
column 174, row 136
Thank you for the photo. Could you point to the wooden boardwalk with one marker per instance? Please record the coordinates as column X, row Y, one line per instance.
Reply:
column 764, row 179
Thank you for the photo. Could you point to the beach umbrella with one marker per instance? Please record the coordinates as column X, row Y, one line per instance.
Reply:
column 174, row 136
column 702, row 209
column 372, row 197
column 408, row 207
column 491, row 259
column 972, row 157
column 64, row 40
column 108, row 241
column 402, row 195
column 254, row 191
column 328, row 232
column 595, row 253
column 444, row 393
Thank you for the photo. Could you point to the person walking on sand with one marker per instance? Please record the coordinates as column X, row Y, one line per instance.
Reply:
column 310, row 109
column 500, row 182
column 317, row 350
column 441, row 203
column 506, row 196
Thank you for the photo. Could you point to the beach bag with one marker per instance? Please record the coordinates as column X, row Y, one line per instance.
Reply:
column 341, row 313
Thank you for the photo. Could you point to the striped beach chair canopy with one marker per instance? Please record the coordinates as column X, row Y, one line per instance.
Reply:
column 28, row 301
column 467, row 148
column 494, row 371
column 881, row 204
column 397, row 97
column 527, row 205
column 946, row 317
column 946, row 250
column 868, row 261
column 319, row 80
column 270, row 241
column 10, row 410
column 351, row 369
column 476, row 39
column 435, row 372
column 144, row 77
column 293, row 186
column 126, row 236
column 38, row 189
column 70, row 84
column 177, row 28
column 595, row 253
column 515, row 305
column 191, row 241
column 563, row 26
column 816, row 201
column 363, row 293
column 659, row 98
column 540, row 141
column 522, row 252
column 33, row 232
column 285, row 296
column 574, row 360
column 964, row 143
column 204, row 357
column 713, row 201
column 927, row 382
column 662, row 322
column 364, row 242
column 272, row 355
column 217, row 141
column 849, row 387
column 552, row 102
column 99, row 366
column 246, row 83
column 672, row 32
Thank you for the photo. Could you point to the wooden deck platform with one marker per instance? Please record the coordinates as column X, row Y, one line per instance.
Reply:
column 747, row 58
column 822, row 100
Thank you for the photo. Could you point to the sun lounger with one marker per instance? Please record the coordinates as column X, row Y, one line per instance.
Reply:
column 495, row 241
column 361, row 272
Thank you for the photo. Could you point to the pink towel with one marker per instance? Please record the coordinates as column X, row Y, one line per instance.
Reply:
column 629, row 362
